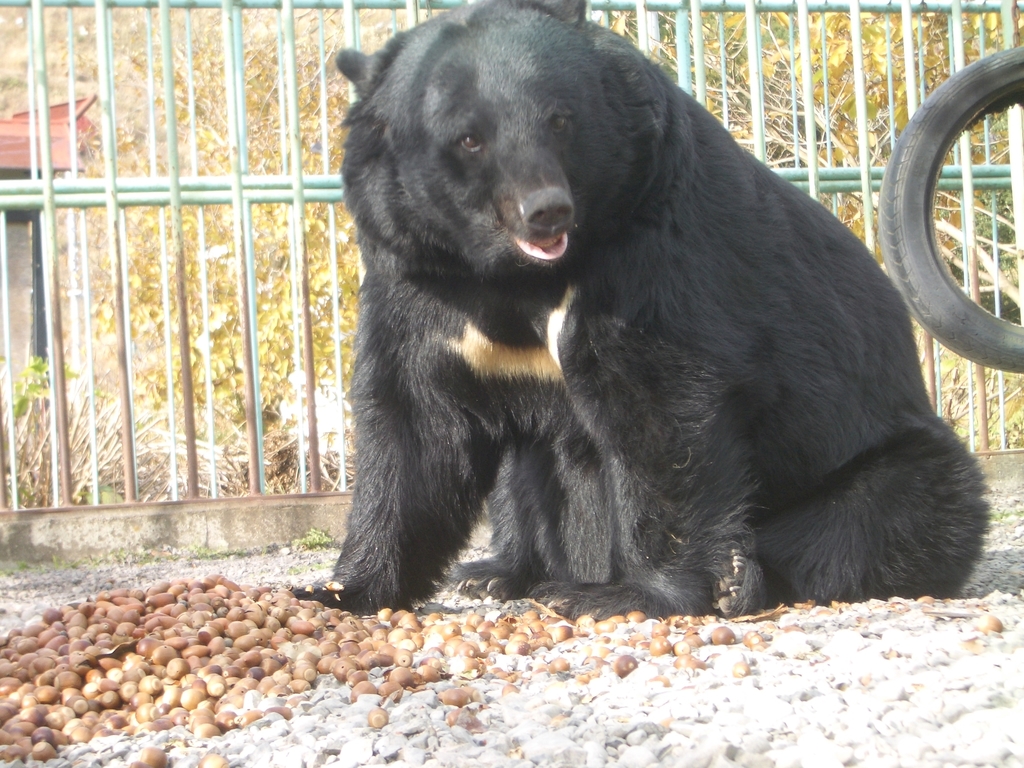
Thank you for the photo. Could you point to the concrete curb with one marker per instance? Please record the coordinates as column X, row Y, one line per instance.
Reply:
column 1004, row 471
column 79, row 533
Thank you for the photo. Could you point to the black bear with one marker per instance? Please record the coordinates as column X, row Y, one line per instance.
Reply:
column 675, row 382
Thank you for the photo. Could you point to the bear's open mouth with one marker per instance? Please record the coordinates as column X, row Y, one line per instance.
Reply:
column 547, row 250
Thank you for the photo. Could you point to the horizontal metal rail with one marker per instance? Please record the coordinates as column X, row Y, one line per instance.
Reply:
column 155, row 191
column 216, row 190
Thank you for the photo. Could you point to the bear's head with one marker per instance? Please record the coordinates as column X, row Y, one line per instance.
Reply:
column 496, row 137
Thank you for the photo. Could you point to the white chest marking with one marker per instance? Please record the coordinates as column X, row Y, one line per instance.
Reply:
column 555, row 321
column 487, row 357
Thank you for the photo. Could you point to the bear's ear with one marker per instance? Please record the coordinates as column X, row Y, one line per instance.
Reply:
column 365, row 72
column 569, row 11
column 355, row 65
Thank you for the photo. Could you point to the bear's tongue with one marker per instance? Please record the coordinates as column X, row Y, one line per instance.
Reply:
column 547, row 250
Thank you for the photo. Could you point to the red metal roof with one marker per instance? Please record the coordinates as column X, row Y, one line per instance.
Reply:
column 15, row 149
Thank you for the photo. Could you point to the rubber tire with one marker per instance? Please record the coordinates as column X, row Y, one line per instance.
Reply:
column 906, row 215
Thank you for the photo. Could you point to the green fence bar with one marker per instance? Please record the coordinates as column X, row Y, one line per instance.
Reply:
column 60, row 445
column 178, row 250
column 700, row 76
column 807, row 85
column 115, row 249
column 11, row 501
column 233, row 78
column 332, row 225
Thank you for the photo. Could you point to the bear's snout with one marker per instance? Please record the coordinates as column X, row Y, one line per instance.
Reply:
column 547, row 214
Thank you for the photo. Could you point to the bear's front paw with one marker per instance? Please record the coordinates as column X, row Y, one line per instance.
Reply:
column 488, row 578
column 347, row 596
column 331, row 594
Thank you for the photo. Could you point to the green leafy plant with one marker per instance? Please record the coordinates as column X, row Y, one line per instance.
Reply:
column 31, row 386
column 315, row 539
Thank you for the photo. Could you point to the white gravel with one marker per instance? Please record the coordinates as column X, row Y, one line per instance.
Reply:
column 880, row 683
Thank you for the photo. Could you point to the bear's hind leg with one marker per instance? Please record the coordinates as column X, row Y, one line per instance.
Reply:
column 907, row 518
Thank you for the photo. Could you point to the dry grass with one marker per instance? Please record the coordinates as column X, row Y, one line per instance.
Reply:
column 14, row 41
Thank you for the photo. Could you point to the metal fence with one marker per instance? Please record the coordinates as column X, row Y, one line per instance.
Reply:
column 178, row 282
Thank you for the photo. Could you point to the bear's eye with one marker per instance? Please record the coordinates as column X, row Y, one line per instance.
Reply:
column 559, row 123
column 471, row 143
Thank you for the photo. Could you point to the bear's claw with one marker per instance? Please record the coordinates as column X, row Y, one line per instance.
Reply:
column 329, row 594
column 741, row 590
column 731, row 584
column 488, row 578
column 480, row 587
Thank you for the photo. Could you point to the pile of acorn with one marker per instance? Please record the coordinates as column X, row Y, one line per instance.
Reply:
column 186, row 652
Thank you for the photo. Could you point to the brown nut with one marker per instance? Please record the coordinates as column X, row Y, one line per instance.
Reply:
column 722, row 636
column 561, row 664
column 660, row 646
column 754, row 640
column 455, row 697
column 390, row 689
column 623, row 665
column 363, row 688
column 153, row 757
column 988, row 623
column 43, row 751
column 741, row 669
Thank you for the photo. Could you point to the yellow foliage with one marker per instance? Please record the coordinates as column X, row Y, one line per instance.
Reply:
column 271, row 227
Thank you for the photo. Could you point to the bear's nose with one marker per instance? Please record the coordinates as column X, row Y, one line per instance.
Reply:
column 547, row 211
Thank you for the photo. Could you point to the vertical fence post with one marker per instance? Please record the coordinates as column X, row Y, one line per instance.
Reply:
column 249, row 248
column 178, row 249
column 754, row 68
column 3, row 462
column 7, row 406
column 173, row 480
column 969, row 247
column 204, row 285
column 723, row 70
column 700, row 75
column 348, row 9
column 910, row 81
column 807, row 84
column 643, row 34
column 233, row 60
column 909, row 70
column 339, row 387
column 684, row 78
column 294, row 259
column 77, row 233
column 860, row 96
column 291, row 87
column 5, row 291
column 51, row 258
column 115, row 245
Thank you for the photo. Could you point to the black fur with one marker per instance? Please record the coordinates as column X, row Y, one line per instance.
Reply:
column 735, row 415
